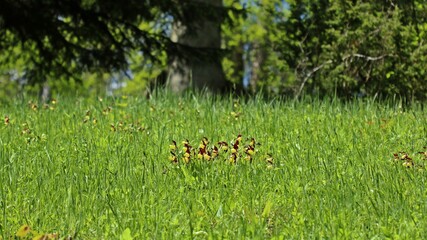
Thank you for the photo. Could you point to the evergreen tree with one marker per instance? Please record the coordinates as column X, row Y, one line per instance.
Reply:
column 57, row 38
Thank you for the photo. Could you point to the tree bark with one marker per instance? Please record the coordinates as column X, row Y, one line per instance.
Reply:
column 203, row 72
column 257, row 63
column 239, row 66
column 45, row 93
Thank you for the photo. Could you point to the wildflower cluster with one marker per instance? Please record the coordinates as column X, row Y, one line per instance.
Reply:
column 232, row 153
column 48, row 105
column 120, row 126
column 410, row 162
column 237, row 110
column 31, row 136
column 127, row 127
column 89, row 118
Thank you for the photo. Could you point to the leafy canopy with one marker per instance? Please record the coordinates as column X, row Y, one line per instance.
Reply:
column 67, row 37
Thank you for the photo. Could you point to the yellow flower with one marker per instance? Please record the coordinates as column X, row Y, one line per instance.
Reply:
column 173, row 158
column 251, row 152
column 34, row 107
column 23, row 231
column 269, row 159
column 252, row 143
column 408, row 164
column 233, row 158
column 172, row 147
column 223, row 146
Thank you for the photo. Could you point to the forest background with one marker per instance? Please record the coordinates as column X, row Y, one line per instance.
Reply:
column 316, row 47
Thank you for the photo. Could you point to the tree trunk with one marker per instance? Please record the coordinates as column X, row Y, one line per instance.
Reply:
column 201, row 72
column 238, row 67
column 257, row 63
column 45, row 93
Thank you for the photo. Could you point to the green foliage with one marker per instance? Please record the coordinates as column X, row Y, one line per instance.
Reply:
column 333, row 48
column 250, row 38
column 357, row 48
column 98, row 168
column 76, row 36
column 69, row 38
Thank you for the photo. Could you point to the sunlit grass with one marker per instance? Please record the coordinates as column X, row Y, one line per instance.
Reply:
column 101, row 168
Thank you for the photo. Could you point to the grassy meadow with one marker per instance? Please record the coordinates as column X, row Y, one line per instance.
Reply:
column 105, row 169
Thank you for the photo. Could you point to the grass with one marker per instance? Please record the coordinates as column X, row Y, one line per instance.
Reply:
column 93, row 169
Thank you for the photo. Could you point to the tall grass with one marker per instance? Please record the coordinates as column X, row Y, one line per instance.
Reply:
column 92, row 169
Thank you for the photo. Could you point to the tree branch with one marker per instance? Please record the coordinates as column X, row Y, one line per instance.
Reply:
column 368, row 58
column 307, row 76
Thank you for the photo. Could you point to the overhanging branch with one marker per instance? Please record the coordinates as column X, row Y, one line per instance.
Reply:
column 308, row 75
column 368, row 58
